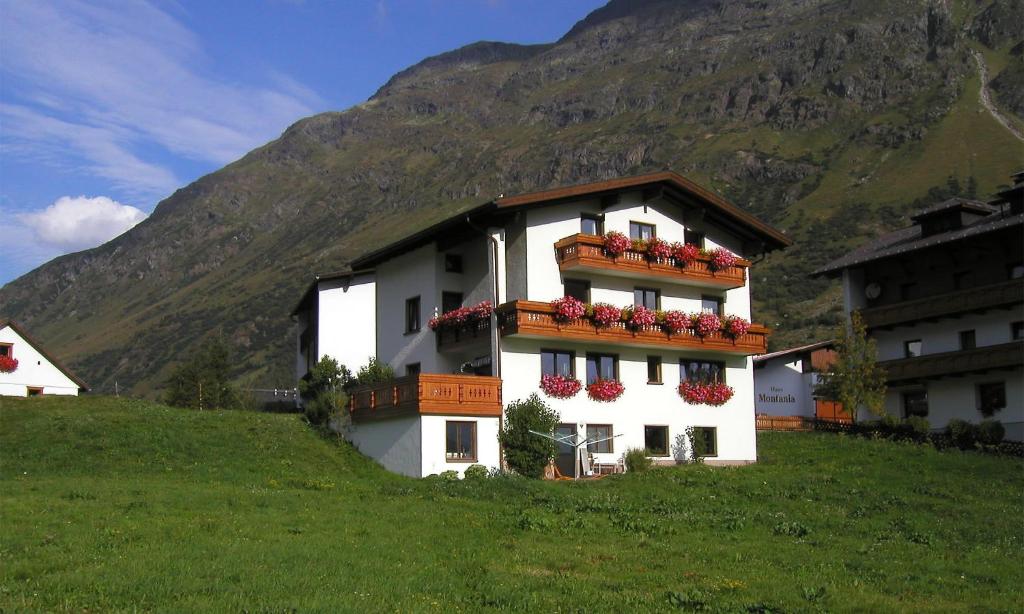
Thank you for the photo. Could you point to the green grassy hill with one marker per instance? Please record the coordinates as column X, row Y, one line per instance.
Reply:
column 113, row 504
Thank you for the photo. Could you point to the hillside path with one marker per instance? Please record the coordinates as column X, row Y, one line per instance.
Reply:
column 986, row 100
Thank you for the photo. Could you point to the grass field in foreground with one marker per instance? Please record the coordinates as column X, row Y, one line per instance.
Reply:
column 113, row 504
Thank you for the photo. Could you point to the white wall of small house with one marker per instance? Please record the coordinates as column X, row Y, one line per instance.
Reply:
column 395, row 444
column 990, row 328
column 642, row 403
column 34, row 370
column 347, row 324
column 782, row 389
column 434, row 444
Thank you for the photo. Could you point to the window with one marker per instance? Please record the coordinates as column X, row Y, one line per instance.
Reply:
column 694, row 238
column 592, row 224
column 412, row 314
column 713, row 304
column 639, row 230
column 578, row 289
column 961, row 280
column 912, row 348
column 602, row 366
column 450, row 301
column 654, row 369
column 705, row 441
column 35, row 392
column 648, row 297
column 6, row 349
column 557, row 362
column 599, row 432
column 1015, row 270
column 701, row 371
column 460, row 442
column 413, row 368
column 1017, row 331
column 908, row 291
column 453, row 263
column 991, row 398
column 915, row 403
column 967, row 340
column 656, row 440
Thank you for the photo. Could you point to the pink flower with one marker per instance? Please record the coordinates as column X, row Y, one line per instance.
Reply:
column 685, row 253
column 605, row 314
column 736, row 326
column 722, row 258
column 560, row 386
column 568, row 309
column 676, row 321
column 605, row 390
column 696, row 393
column 641, row 317
column 8, row 364
column 658, row 248
column 706, row 323
column 457, row 318
column 616, row 243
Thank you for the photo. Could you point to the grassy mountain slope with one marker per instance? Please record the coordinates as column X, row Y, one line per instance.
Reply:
column 826, row 118
column 120, row 505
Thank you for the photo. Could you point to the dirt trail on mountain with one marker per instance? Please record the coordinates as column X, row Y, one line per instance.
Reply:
column 986, row 100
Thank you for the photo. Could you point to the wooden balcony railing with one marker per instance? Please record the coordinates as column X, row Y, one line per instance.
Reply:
column 427, row 394
column 537, row 320
column 953, row 304
column 957, row 363
column 450, row 340
column 586, row 252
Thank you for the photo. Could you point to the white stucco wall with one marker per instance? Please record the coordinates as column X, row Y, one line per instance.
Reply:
column 347, row 327
column 782, row 389
column 395, row 444
column 433, row 433
column 34, row 370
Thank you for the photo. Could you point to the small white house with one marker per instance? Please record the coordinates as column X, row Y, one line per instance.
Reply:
column 28, row 370
column 784, row 382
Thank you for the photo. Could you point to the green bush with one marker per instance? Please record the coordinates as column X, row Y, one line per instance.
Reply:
column 449, row 476
column 526, row 453
column 991, row 432
column 963, row 434
column 203, row 381
column 637, row 460
column 374, row 372
column 919, row 425
column 475, row 472
column 322, row 390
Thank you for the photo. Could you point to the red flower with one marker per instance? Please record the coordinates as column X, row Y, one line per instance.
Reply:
column 641, row 317
column 560, row 386
column 685, row 253
column 722, row 258
column 605, row 390
column 8, row 364
column 676, row 321
column 706, row 323
column 605, row 314
column 568, row 309
column 616, row 243
column 658, row 248
column 457, row 318
column 736, row 326
column 705, row 394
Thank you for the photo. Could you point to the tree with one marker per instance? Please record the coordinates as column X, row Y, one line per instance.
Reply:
column 203, row 382
column 526, row 453
column 855, row 379
column 323, row 390
column 374, row 372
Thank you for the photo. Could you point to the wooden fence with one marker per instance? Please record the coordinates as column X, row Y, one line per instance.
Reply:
column 783, row 423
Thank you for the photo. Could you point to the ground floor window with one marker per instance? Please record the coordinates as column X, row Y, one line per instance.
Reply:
column 915, row 403
column 603, row 434
column 991, row 398
column 413, row 368
column 705, row 441
column 656, row 440
column 460, row 441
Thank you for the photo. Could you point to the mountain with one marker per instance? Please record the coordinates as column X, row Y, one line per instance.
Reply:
column 830, row 119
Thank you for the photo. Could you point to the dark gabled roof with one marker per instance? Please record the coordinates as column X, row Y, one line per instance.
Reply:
column 4, row 323
column 678, row 187
column 797, row 350
column 963, row 204
column 346, row 271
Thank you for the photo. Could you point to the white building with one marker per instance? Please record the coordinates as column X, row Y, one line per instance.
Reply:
column 27, row 370
column 521, row 253
column 784, row 382
column 943, row 301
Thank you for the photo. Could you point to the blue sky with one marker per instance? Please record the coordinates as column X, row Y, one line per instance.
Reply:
column 107, row 108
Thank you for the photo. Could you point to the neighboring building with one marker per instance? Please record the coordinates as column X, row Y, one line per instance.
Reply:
column 521, row 253
column 943, row 300
column 37, row 372
column 784, row 382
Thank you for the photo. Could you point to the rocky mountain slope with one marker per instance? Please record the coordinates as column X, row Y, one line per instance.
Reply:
column 827, row 118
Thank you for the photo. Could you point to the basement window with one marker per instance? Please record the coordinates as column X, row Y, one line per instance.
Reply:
column 460, row 442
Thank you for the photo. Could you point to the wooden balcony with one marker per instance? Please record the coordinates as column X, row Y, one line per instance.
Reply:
column 582, row 252
column 531, row 319
column 950, row 305
column 1005, row 356
column 427, row 394
column 454, row 340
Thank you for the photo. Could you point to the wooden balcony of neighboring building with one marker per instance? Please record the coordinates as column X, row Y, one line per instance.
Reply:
column 1003, row 295
column 531, row 319
column 427, row 394
column 1005, row 356
column 582, row 252
column 457, row 339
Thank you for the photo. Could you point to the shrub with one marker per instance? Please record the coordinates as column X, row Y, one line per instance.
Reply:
column 374, row 372
column 203, row 381
column 919, row 426
column 962, row 433
column 322, row 390
column 526, row 453
column 449, row 476
column 991, row 432
column 637, row 460
column 475, row 472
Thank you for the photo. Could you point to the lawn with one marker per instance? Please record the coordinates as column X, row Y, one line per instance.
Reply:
column 115, row 504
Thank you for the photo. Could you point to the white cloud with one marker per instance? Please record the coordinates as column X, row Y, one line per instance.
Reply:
column 77, row 223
